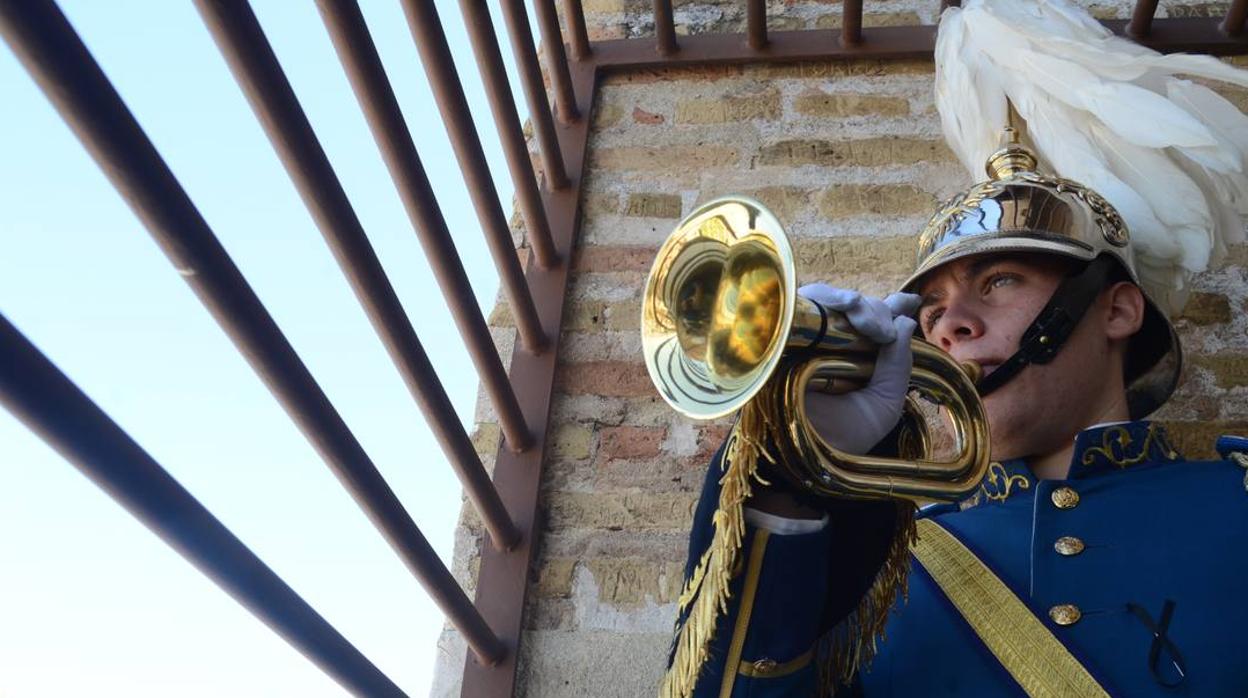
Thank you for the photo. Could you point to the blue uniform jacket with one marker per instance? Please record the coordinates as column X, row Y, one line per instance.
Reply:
column 1135, row 527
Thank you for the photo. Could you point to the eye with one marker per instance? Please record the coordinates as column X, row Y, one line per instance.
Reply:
column 930, row 318
column 999, row 279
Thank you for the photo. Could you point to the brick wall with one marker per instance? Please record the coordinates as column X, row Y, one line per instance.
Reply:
column 850, row 157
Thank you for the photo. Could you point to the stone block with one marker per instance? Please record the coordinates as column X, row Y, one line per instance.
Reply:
column 849, row 68
column 735, row 108
column 613, row 258
column 679, row 159
column 1207, row 309
column 1195, row 440
column 571, row 442
column 881, row 256
column 620, row 511
column 606, row 378
column 554, row 580
column 866, row 152
column 642, row 116
column 819, row 103
column 849, row 200
column 633, row 580
column 653, row 205
column 785, row 202
column 871, row 19
column 1230, row 369
column 630, row 442
column 606, row 115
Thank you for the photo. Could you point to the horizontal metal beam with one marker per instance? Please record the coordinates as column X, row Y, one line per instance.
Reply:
column 49, row 403
column 1188, row 34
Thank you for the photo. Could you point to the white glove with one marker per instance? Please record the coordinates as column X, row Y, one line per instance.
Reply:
column 856, row 421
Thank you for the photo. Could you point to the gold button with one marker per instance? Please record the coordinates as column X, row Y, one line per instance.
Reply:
column 764, row 666
column 1065, row 498
column 1068, row 545
column 1065, row 614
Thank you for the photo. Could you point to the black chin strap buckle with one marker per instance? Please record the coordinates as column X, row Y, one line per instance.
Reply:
column 1054, row 324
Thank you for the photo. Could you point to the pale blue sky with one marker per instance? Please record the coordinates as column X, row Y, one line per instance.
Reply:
column 91, row 603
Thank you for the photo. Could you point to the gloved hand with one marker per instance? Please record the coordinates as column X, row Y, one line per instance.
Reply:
column 856, row 421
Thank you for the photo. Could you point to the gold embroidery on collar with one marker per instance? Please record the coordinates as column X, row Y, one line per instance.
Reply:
column 1114, row 443
column 1002, row 482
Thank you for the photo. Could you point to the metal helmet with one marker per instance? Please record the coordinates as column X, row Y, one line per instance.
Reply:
column 1020, row 210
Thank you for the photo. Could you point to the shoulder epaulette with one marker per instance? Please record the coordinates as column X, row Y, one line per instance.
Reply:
column 1234, row 448
column 1227, row 446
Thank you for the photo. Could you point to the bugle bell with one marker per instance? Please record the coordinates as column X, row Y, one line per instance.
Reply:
column 722, row 325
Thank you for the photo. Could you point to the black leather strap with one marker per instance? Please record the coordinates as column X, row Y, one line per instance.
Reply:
column 1054, row 324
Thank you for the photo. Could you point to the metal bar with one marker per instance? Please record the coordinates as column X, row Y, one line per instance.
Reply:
column 1141, row 18
column 521, row 36
column 251, row 58
column 502, row 579
column 51, row 51
column 556, row 61
column 665, row 28
column 435, row 55
column 1186, row 35
column 851, row 22
column 372, row 88
column 50, row 405
column 1233, row 23
column 574, row 15
column 490, row 65
column 756, row 24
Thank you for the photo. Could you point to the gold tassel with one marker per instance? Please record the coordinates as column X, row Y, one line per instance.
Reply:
column 708, row 587
column 853, row 643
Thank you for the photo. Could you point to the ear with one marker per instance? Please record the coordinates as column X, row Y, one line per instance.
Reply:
column 1125, row 310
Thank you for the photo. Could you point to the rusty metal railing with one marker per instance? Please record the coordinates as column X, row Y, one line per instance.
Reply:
column 48, row 402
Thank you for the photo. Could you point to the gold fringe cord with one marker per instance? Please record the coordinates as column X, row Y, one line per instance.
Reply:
column 707, row 592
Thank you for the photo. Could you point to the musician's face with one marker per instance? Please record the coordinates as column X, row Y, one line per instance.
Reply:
column 977, row 309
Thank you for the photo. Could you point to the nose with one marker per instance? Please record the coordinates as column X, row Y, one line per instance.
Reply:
column 958, row 323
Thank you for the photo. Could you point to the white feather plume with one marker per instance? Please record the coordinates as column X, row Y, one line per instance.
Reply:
column 1170, row 154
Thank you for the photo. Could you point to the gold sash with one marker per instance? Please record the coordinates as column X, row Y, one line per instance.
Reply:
column 1037, row 660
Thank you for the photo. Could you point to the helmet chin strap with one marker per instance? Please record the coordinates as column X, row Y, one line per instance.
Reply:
column 1054, row 324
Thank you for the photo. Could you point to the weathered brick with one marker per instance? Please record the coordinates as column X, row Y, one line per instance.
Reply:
column 871, row 19
column 697, row 73
column 849, row 68
column 591, row 316
column 606, row 378
column 710, row 437
column 624, row 511
column 633, row 580
column 1199, row 9
column 683, row 158
column 866, row 152
column 485, row 439
column 1230, row 369
column 882, row 255
column 729, row 108
column 604, row 258
column 785, row 202
column 571, row 442
column 1195, row 440
column 819, row 103
column 501, row 316
column 847, row 200
column 598, row 203
column 652, row 205
column 1207, row 309
column 607, row 115
column 630, row 442
column 642, row 116
column 555, row 577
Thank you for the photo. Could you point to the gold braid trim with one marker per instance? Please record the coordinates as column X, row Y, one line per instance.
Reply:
column 708, row 586
column 852, row 644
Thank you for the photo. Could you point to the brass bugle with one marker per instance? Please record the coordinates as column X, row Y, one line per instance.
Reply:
column 722, row 325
